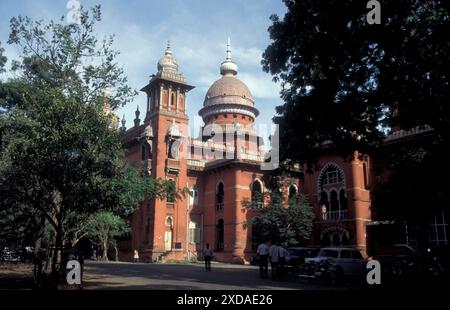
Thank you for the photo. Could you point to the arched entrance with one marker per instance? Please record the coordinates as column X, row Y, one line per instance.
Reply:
column 335, row 236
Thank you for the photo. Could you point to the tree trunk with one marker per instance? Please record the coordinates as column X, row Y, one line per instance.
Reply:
column 56, row 263
column 116, row 250
column 49, row 256
column 105, row 250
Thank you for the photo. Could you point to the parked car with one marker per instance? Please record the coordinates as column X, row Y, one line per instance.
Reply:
column 345, row 262
column 296, row 256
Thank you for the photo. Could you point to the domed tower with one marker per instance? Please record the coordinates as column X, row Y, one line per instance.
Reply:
column 164, row 125
column 228, row 100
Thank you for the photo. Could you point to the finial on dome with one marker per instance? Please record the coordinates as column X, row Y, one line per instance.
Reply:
column 228, row 67
column 168, row 50
column 228, row 49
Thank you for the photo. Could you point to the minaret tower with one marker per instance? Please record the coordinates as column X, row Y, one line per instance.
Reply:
column 166, row 117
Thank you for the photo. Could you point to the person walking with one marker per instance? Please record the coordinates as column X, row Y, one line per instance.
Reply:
column 136, row 256
column 262, row 254
column 282, row 253
column 208, row 255
column 274, row 258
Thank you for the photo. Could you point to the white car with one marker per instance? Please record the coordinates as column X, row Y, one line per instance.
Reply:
column 345, row 261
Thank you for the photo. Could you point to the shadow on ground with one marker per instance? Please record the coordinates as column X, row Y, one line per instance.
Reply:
column 100, row 275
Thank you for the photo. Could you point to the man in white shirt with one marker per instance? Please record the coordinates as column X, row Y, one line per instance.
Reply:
column 263, row 254
column 274, row 255
column 282, row 253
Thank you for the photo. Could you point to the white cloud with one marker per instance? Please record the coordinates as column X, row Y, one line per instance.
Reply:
column 261, row 85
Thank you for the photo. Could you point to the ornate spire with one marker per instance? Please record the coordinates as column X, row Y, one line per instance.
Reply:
column 228, row 50
column 123, row 128
column 228, row 67
column 137, row 120
column 168, row 63
column 168, row 50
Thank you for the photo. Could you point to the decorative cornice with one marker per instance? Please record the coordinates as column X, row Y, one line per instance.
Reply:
column 229, row 108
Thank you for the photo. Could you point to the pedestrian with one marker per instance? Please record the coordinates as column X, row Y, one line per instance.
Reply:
column 136, row 256
column 208, row 255
column 262, row 254
column 282, row 253
column 274, row 255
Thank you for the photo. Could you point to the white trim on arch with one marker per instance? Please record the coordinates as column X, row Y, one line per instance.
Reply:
column 294, row 186
column 217, row 185
column 322, row 171
column 260, row 183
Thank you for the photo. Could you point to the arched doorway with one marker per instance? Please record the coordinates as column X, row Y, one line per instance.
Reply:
column 335, row 236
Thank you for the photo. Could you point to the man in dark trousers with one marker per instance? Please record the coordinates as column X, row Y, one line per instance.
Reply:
column 263, row 258
column 208, row 255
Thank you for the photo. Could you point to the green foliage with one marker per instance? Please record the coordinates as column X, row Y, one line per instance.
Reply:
column 106, row 225
column 2, row 58
column 277, row 222
column 346, row 82
column 61, row 158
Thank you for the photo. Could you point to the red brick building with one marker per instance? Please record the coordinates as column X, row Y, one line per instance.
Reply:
column 222, row 168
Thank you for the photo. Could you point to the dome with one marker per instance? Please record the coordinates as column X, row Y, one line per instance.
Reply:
column 228, row 94
column 228, row 89
column 168, row 63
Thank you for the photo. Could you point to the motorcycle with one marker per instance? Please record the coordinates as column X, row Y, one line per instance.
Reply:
column 316, row 271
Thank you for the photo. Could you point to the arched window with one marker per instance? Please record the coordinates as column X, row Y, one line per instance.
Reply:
column 334, row 202
column 219, row 235
column 292, row 191
column 257, row 194
column 169, row 222
column 342, row 200
column 219, row 197
column 324, row 199
column 172, row 102
column 331, row 180
column 330, row 174
column 193, row 199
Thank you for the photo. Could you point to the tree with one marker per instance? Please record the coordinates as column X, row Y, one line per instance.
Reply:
column 278, row 222
column 347, row 82
column 60, row 154
column 104, row 227
column 3, row 58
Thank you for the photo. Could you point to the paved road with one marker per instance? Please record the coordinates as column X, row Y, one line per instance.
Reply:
column 121, row 275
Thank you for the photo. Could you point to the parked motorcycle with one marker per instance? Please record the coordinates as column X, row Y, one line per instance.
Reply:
column 316, row 271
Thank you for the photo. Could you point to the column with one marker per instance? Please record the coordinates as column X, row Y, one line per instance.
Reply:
column 177, row 99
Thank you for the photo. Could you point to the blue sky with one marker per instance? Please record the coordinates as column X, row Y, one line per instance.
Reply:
column 198, row 31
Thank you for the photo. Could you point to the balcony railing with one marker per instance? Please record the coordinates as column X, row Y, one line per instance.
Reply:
column 336, row 215
column 196, row 163
column 219, row 206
